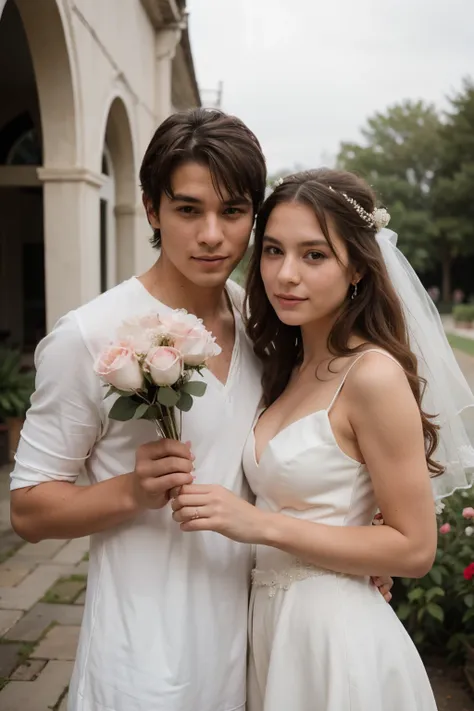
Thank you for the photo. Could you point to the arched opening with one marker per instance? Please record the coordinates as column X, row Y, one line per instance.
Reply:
column 37, row 130
column 108, row 246
column 118, row 210
column 22, row 281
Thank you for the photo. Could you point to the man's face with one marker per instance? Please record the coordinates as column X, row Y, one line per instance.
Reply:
column 203, row 235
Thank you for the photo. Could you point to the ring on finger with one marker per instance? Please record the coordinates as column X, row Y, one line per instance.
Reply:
column 195, row 515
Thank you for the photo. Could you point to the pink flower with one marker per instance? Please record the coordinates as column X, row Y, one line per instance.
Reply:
column 469, row 572
column 179, row 323
column 165, row 365
column 197, row 346
column 445, row 528
column 191, row 338
column 468, row 512
column 118, row 366
column 140, row 333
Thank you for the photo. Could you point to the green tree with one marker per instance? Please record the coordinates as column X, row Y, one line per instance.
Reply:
column 452, row 194
column 399, row 158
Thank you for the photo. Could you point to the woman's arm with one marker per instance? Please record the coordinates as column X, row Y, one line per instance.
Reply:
column 387, row 426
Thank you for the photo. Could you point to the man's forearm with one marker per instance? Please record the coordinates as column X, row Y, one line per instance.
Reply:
column 63, row 510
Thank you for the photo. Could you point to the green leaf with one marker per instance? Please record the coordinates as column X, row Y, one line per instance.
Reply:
column 468, row 615
column 421, row 614
column 404, row 611
column 141, row 411
column 185, row 402
column 434, row 592
column 469, row 600
column 436, row 576
column 167, row 397
column 435, row 611
column 123, row 409
column 415, row 594
column 195, row 388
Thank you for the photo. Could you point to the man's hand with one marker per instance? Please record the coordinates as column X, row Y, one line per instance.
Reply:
column 159, row 467
column 384, row 584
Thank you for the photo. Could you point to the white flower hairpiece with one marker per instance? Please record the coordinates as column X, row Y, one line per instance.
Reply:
column 277, row 183
column 378, row 218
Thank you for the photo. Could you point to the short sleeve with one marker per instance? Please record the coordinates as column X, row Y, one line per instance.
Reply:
column 64, row 420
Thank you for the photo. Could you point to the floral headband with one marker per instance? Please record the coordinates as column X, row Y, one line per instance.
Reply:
column 378, row 218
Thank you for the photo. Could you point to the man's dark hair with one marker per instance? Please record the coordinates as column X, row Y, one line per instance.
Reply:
column 212, row 138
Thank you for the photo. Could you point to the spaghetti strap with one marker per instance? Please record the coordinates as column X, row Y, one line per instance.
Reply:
column 361, row 355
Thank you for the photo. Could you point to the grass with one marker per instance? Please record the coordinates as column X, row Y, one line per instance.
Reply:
column 466, row 345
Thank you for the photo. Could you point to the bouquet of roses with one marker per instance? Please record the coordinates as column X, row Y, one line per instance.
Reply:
column 150, row 367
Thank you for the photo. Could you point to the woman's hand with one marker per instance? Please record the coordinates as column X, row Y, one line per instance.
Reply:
column 214, row 508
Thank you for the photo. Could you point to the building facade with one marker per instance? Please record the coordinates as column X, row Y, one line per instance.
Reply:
column 83, row 86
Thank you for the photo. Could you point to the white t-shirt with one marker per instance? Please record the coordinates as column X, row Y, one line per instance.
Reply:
column 165, row 620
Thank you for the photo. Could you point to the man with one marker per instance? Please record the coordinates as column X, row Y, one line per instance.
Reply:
column 164, row 624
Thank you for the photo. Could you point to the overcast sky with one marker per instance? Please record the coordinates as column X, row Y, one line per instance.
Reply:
column 306, row 74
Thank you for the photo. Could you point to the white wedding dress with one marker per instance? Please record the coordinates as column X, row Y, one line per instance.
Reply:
column 322, row 641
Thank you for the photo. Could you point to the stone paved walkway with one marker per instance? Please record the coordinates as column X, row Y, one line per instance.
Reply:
column 41, row 604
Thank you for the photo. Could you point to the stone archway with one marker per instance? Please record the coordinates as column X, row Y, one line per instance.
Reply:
column 118, row 141
column 68, row 191
column 51, row 55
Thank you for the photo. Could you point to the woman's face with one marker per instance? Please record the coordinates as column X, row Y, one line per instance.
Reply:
column 303, row 279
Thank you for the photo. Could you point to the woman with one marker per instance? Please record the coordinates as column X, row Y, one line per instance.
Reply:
column 343, row 433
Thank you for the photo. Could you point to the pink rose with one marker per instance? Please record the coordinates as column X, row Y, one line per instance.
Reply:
column 197, row 346
column 165, row 365
column 179, row 323
column 468, row 512
column 140, row 333
column 118, row 366
column 445, row 528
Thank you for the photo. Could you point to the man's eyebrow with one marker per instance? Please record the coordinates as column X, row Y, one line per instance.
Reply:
column 179, row 197
column 231, row 202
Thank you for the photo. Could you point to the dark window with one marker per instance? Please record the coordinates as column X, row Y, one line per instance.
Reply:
column 103, row 245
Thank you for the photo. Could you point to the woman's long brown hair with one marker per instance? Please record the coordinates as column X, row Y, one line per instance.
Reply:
column 376, row 314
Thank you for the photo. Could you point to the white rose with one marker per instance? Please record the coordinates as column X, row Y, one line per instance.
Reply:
column 118, row 366
column 439, row 507
column 164, row 364
column 469, row 530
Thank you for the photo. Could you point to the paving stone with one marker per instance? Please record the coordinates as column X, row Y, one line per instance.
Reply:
column 65, row 591
column 9, row 577
column 31, row 589
column 38, row 695
column 73, row 552
column 29, row 670
column 43, row 551
column 32, row 625
column 9, row 658
column 81, row 599
column 9, row 541
column 82, row 568
column 8, row 618
column 59, row 643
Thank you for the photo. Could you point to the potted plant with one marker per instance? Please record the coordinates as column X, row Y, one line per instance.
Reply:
column 16, row 388
column 463, row 315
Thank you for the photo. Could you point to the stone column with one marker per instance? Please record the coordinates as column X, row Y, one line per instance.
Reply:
column 166, row 43
column 72, row 238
